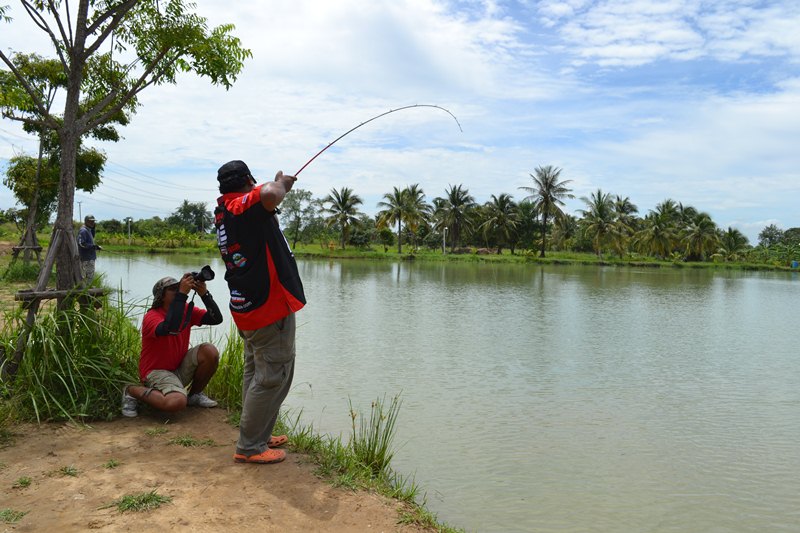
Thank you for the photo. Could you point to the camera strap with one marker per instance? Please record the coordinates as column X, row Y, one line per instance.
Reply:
column 187, row 316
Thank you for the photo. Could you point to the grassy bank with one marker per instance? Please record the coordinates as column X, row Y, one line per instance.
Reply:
column 524, row 257
column 315, row 251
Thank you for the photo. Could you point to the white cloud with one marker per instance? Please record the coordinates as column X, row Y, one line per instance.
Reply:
column 321, row 68
column 638, row 32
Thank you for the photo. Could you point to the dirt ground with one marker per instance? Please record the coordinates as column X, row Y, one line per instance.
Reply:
column 209, row 492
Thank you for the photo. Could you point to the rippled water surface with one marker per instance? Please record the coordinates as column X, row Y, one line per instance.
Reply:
column 558, row 398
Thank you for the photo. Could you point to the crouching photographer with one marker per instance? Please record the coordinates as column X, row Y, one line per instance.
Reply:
column 167, row 365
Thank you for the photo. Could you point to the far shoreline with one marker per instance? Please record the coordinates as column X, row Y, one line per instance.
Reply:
column 315, row 251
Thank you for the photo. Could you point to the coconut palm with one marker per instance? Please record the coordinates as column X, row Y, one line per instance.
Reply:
column 528, row 230
column 598, row 219
column 657, row 237
column 455, row 212
column 667, row 211
column 502, row 219
column 394, row 211
column 733, row 243
column 686, row 214
column 417, row 210
column 624, row 209
column 343, row 211
column 564, row 228
column 700, row 237
column 625, row 222
column 547, row 195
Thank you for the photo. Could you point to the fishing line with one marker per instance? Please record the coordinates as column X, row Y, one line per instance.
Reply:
column 127, row 256
column 375, row 118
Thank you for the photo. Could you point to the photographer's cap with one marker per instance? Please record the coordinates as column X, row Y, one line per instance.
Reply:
column 89, row 218
column 162, row 284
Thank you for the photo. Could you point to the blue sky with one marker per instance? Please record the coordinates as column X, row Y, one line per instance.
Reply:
column 690, row 100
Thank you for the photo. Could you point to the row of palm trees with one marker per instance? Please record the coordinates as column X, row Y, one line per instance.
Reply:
column 607, row 223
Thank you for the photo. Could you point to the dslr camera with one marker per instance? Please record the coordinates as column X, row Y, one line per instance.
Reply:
column 205, row 274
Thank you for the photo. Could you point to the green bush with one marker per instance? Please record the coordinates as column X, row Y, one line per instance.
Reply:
column 22, row 272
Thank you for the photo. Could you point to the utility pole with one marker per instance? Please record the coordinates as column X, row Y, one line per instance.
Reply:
column 128, row 220
column 80, row 215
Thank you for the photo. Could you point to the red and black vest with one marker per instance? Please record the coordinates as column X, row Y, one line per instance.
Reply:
column 259, row 266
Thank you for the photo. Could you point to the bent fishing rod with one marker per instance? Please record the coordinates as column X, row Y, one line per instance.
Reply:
column 376, row 117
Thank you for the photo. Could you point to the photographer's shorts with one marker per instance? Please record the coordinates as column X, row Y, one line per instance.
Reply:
column 165, row 381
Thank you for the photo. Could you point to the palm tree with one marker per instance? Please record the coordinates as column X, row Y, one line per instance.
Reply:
column 547, row 195
column 565, row 228
column 701, row 237
column 656, row 238
column 455, row 212
column 394, row 205
column 343, row 210
column 665, row 221
column 668, row 211
column 501, row 218
column 625, row 222
column 686, row 214
column 598, row 219
column 732, row 244
column 417, row 209
column 624, row 209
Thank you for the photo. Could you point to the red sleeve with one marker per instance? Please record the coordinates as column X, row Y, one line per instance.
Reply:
column 150, row 322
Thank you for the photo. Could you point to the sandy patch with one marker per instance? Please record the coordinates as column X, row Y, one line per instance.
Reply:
column 209, row 491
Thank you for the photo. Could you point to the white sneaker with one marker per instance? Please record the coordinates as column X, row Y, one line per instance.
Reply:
column 129, row 404
column 200, row 400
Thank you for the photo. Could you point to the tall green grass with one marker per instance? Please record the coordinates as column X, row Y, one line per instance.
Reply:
column 226, row 385
column 372, row 439
column 74, row 365
column 19, row 271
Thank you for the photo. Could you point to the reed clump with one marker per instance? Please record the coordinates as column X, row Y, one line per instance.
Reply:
column 74, row 365
column 226, row 385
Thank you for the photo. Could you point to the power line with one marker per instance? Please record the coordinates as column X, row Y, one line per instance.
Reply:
column 27, row 138
column 134, row 189
column 128, row 207
column 153, row 179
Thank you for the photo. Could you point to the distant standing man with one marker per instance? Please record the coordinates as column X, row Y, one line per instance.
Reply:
column 87, row 249
column 266, row 291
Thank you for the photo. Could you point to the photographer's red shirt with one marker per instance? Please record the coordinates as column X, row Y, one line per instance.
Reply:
column 260, row 268
column 167, row 352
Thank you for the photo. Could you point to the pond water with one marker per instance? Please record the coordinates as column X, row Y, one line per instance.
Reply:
column 556, row 398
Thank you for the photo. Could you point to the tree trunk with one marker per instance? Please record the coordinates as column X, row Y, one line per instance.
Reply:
column 296, row 233
column 30, row 226
column 399, row 237
column 544, row 234
column 67, row 262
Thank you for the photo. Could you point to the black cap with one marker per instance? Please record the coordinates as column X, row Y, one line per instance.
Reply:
column 232, row 170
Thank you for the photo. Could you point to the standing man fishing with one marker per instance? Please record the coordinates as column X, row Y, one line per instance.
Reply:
column 266, row 291
column 87, row 249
